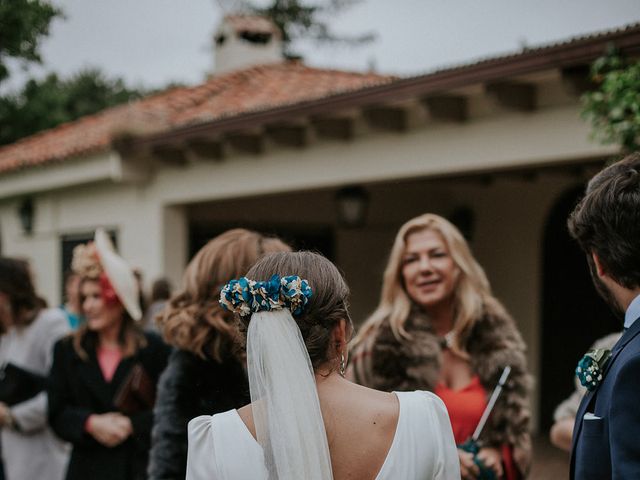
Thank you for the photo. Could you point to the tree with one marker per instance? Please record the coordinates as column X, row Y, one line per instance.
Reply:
column 23, row 24
column 43, row 104
column 614, row 107
column 299, row 19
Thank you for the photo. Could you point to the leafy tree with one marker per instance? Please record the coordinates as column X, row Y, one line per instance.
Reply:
column 23, row 24
column 614, row 107
column 43, row 104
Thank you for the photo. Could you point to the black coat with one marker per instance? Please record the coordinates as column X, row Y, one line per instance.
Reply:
column 77, row 389
column 190, row 386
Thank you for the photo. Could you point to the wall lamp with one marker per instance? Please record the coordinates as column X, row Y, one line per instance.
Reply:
column 26, row 215
column 352, row 204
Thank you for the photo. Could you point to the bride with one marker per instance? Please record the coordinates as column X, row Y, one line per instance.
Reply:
column 305, row 420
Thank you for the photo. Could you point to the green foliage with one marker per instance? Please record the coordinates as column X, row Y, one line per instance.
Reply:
column 23, row 24
column 45, row 103
column 299, row 19
column 614, row 107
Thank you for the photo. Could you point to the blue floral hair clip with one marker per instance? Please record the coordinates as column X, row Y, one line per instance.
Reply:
column 590, row 369
column 245, row 296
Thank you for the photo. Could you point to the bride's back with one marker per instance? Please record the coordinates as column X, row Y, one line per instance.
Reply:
column 360, row 424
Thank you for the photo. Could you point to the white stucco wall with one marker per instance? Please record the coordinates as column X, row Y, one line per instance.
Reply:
column 292, row 185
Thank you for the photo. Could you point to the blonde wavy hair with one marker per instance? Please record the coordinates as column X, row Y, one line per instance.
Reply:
column 193, row 319
column 472, row 291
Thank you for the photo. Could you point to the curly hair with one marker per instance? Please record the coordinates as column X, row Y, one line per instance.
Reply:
column 193, row 319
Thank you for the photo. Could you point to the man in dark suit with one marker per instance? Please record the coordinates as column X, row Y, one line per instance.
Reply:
column 606, row 224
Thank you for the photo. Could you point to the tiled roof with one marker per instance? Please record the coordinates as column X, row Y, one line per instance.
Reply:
column 254, row 89
column 270, row 88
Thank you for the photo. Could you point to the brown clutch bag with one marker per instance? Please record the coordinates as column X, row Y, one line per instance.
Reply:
column 137, row 392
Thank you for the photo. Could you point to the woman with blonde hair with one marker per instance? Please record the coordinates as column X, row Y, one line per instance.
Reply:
column 205, row 374
column 439, row 328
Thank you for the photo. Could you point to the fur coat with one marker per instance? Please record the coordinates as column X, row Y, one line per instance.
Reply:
column 189, row 387
column 385, row 363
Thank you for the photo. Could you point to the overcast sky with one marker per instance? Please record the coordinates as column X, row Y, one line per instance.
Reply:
column 154, row 42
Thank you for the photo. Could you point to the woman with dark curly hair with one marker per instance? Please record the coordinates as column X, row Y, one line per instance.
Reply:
column 439, row 328
column 206, row 372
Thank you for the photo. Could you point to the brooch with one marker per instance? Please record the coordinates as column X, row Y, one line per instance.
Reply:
column 591, row 367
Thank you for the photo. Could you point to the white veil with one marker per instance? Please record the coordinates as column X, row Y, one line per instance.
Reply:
column 285, row 404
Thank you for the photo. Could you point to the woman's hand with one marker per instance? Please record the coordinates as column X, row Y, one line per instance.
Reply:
column 492, row 458
column 468, row 469
column 6, row 420
column 110, row 429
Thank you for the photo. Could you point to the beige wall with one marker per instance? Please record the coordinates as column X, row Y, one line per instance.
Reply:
column 151, row 214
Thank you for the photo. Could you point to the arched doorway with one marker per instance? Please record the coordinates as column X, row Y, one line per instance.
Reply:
column 573, row 314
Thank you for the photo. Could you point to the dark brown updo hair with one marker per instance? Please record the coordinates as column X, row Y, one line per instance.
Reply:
column 328, row 304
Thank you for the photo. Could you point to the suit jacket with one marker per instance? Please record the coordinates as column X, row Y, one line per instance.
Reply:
column 608, row 447
column 78, row 389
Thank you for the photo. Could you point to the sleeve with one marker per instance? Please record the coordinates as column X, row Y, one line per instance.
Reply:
column 448, row 465
column 66, row 419
column 168, row 455
column 624, row 422
column 31, row 415
column 154, row 362
column 200, row 464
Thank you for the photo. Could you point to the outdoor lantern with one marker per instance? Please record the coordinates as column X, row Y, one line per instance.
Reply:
column 26, row 215
column 352, row 204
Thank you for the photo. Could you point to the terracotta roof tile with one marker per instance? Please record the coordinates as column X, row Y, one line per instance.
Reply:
column 253, row 89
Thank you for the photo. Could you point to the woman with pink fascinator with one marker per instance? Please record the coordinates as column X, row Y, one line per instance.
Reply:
column 102, row 382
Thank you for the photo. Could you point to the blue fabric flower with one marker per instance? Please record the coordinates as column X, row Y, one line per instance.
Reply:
column 245, row 296
column 265, row 295
column 590, row 369
column 296, row 293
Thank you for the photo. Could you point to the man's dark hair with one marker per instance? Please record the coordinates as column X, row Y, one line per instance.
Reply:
column 607, row 220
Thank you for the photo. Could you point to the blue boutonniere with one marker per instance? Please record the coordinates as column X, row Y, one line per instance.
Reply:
column 590, row 369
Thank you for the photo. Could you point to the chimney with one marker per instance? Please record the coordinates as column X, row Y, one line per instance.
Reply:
column 243, row 41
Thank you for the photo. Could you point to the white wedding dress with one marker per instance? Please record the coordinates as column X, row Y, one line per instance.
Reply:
column 222, row 448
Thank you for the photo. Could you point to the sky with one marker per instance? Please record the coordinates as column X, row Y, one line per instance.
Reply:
column 151, row 43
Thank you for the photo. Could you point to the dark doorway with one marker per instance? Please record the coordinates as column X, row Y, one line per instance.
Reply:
column 319, row 239
column 573, row 314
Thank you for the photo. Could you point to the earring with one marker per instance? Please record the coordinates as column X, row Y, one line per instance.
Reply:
column 343, row 366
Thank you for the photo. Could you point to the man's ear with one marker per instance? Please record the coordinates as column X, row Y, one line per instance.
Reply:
column 599, row 268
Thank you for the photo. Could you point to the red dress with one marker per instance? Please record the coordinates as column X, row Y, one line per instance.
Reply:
column 465, row 407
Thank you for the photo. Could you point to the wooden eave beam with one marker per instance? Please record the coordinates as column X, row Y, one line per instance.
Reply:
column 577, row 79
column 395, row 118
column 297, row 135
column 247, row 141
column 170, row 154
column 512, row 95
column 336, row 127
column 207, row 147
column 448, row 108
